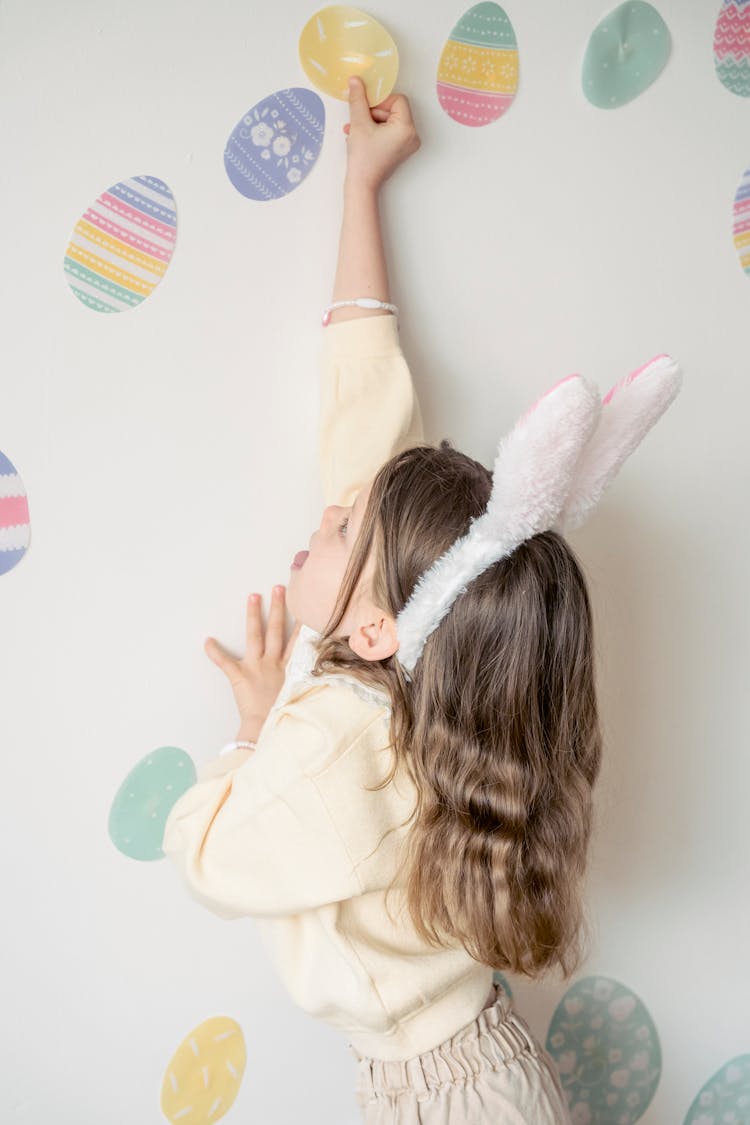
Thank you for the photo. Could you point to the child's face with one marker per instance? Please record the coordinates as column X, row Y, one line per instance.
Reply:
column 313, row 588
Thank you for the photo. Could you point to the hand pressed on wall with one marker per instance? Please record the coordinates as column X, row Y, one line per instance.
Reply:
column 256, row 678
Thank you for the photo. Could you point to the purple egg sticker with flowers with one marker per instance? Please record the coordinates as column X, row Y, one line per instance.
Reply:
column 275, row 145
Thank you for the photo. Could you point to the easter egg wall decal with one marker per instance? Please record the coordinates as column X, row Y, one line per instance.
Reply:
column 204, row 1074
column 144, row 800
column 627, row 51
column 742, row 222
column 339, row 41
column 725, row 1097
column 14, row 516
column 732, row 46
column 607, row 1052
column 477, row 75
column 122, row 244
column 275, row 145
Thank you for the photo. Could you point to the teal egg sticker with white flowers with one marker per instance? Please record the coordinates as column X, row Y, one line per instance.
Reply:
column 725, row 1098
column 607, row 1052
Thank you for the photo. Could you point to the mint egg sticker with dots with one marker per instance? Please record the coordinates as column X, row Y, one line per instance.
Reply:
column 477, row 78
column 626, row 53
column 732, row 47
column 606, row 1049
column 122, row 245
column 143, row 802
column 15, row 527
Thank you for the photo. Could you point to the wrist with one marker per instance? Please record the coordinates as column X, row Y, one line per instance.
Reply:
column 356, row 184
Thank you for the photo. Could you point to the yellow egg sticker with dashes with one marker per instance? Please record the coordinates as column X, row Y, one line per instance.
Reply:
column 339, row 42
column 204, row 1075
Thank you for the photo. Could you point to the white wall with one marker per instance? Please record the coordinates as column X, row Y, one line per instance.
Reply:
column 168, row 477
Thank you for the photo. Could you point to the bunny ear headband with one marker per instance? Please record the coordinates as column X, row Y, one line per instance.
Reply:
column 550, row 471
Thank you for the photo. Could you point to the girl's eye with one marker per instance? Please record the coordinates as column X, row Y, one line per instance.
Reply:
column 343, row 526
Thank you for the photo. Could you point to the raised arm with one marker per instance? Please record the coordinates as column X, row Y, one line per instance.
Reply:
column 369, row 410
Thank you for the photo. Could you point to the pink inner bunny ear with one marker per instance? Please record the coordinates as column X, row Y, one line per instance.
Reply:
column 542, row 398
column 629, row 410
column 658, row 363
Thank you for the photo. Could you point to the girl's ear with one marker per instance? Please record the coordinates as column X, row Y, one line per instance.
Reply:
column 376, row 640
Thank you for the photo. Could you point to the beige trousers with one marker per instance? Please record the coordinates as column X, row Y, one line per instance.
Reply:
column 491, row 1072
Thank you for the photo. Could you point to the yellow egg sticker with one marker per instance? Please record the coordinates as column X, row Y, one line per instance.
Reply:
column 338, row 42
column 204, row 1075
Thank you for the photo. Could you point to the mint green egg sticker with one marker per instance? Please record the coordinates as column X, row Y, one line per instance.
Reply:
column 144, row 800
column 498, row 978
column 725, row 1097
column 627, row 51
column 607, row 1052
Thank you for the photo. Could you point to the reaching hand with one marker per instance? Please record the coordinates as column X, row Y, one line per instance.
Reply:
column 256, row 678
column 378, row 138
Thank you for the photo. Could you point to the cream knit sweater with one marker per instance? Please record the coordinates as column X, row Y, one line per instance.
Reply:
column 288, row 834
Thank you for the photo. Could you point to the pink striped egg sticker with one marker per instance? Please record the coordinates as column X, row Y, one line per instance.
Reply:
column 122, row 245
column 741, row 229
column 14, row 517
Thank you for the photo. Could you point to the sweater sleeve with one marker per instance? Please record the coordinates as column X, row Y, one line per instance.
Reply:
column 254, row 835
column 369, row 409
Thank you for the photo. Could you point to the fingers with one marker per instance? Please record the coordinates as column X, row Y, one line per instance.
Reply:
column 221, row 658
column 253, row 628
column 276, row 623
column 359, row 109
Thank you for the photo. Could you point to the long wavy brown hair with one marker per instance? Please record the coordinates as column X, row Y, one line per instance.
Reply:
column 498, row 727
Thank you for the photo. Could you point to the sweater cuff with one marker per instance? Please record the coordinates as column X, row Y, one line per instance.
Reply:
column 223, row 764
column 362, row 336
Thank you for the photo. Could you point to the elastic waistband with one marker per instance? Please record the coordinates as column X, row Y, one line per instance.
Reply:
column 497, row 1035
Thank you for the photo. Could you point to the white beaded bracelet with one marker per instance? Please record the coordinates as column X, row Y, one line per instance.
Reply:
column 237, row 746
column 360, row 302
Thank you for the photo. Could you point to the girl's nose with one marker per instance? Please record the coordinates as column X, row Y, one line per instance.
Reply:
column 330, row 514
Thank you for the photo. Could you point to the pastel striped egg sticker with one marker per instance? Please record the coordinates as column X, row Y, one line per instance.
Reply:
column 607, row 1052
column 203, row 1077
column 725, row 1097
column 276, row 144
column 15, row 529
column 144, row 801
column 477, row 75
column 122, row 245
column 338, row 42
column 627, row 51
column 732, row 46
column 741, row 228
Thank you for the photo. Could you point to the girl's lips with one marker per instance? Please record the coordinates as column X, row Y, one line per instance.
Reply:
column 299, row 559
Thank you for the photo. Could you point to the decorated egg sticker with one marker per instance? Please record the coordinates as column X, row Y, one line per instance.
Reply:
column 725, row 1097
column 607, row 1051
column 338, row 42
column 742, row 222
column 144, row 800
column 275, row 145
column 122, row 244
column 627, row 51
column 14, row 517
column 732, row 46
column 477, row 75
column 204, row 1074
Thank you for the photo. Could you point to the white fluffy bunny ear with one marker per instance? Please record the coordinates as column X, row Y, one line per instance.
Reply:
column 533, row 470
column 629, row 410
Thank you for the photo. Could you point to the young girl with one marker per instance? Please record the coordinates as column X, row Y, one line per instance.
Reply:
column 399, row 826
